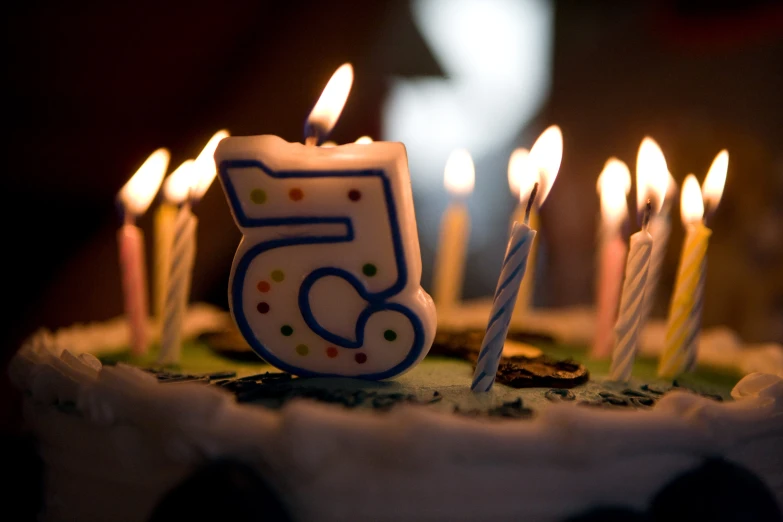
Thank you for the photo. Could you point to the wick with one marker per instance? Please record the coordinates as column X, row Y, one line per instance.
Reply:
column 646, row 216
column 530, row 201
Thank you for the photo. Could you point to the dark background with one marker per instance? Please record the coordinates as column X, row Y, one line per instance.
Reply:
column 92, row 90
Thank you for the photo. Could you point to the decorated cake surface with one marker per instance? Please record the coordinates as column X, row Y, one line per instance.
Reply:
column 131, row 433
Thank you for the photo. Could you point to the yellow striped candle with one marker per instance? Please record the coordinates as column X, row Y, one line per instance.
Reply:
column 164, row 221
column 682, row 329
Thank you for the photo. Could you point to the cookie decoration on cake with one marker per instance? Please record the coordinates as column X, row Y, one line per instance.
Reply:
column 326, row 279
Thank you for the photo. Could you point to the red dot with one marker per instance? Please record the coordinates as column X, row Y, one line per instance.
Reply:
column 263, row 286
column 331, row 352
column 354, row 195
column 295, row 194
column 361, row 358
column 262, row 307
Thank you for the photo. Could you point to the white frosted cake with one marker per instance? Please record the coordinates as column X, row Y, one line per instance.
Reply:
column 123, row 443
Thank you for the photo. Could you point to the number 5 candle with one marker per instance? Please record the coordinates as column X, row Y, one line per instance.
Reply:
column 682, row 328
column 135, row 197
column 651, row 178
column 459, row 178
column 545, row 156
column 326, row 279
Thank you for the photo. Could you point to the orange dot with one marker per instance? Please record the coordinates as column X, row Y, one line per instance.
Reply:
column 263, row 286
column 331, row 352
column 295, row 194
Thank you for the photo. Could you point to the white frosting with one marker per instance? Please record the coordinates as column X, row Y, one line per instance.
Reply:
column 135, row 438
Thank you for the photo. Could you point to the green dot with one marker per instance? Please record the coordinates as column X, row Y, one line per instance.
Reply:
column 286, row 330
column 258, row 196
column 278, row 275
column 390, row 335
column 369, row 269
column 302, row 349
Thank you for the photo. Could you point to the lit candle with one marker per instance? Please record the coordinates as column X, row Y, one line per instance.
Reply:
column 518, row 163
column 459, row 178
column 545, row 156
column 682, row 328
column 185, row 186
column 659, row 228
column 614, row 184
column 326, row 280
column 651, row 179
column 135, row 197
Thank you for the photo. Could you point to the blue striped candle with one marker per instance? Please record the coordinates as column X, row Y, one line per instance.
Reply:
column 511, row 275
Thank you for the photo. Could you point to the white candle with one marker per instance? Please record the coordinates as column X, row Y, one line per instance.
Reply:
column 614, row 184
column 518, row 164
column 135, row 197
column 651, row 178
column 459, row 178
column 659, row 229
column 184, row 187
column 327, row 277
column 684, row 321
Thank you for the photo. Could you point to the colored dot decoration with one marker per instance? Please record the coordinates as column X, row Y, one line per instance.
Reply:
column 263, row 286
column 262, row 307
column 354, row 195
column 302, row 349
column 331, row 352
column 258, row 196
column 361, row 358
column 295, row 194
column 286, row 330
column 390, row 335
column 278, row 275
column 369, row 269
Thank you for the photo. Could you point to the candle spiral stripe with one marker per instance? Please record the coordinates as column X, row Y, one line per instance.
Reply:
column 694, row 326
column 681, row 327
column 659, row 230
column 627, row 326
column 680, row 323
column 511, row 275
column 183, row 249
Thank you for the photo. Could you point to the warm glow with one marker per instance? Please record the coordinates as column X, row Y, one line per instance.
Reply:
column 545, row 157
column 518, row 164
column 205, row 168
column 178, row 184
column 715, row 180
column 652, row 175
column 691, row 204
column 329, row 144
column 614, row 184
column 138, row 192
column 329, row 106
column 460, row 175
column 364, row 140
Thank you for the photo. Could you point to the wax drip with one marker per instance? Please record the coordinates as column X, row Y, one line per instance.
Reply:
column 530, row 201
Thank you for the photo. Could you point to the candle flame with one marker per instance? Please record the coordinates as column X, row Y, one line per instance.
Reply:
column 178, row 184
column 716, row 180
column 460, row 174
column 364, row 140
column 138, row 192
column 205, row 168
column 518, row 164
column 329, row 106
column 614, row 184
column 545, row 157
column 652, row 175
column 691, row 204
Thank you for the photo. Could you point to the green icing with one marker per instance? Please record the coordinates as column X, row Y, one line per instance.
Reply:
column 448, row 379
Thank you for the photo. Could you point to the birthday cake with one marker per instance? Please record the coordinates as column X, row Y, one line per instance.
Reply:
column 222, row 433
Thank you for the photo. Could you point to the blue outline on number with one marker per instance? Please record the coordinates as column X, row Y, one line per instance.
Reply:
column 376, row 302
